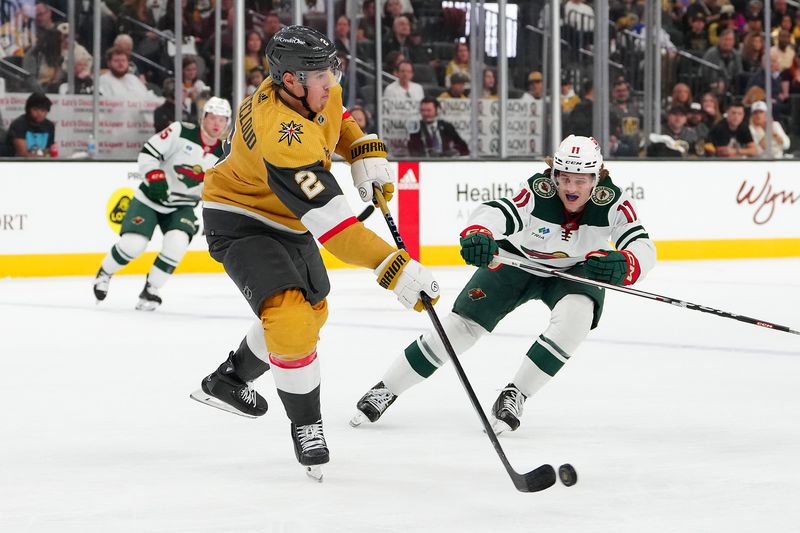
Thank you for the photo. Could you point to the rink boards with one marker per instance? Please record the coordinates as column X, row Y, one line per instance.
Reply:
column 56, row 218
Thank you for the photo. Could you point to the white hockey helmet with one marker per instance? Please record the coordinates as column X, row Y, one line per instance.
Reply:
column 217, row 106
column 578, row 154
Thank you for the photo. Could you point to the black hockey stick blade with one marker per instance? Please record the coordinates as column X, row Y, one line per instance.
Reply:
column 537, row 479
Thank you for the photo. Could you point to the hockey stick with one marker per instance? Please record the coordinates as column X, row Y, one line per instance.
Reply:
column 531, row 267
column 364, row 215
column 533, row 481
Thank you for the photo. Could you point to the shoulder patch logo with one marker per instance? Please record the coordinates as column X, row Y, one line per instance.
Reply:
column 476, row 294
column 290, row 131
column 603, row 195
column 262, row 97
column 544, row 187
column 320, row 119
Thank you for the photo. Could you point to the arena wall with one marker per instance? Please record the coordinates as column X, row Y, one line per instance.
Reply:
column 55, row 216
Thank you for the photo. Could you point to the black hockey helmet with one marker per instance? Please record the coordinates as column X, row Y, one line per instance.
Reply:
column 299, row 49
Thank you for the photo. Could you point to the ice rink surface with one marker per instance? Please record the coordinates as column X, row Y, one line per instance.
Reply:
column 676, row 421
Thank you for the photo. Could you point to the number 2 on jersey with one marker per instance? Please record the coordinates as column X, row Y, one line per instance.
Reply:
column 309, row 183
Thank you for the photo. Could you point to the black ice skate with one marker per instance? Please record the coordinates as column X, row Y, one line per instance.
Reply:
column 149, row 299
column 310, row 448
column 507, row 409
column 373, row 404
column 224, row 390
column 101, row 282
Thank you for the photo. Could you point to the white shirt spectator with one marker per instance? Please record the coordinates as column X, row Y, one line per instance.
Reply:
column 127, row 85
column 780, row 141
column 396, row 91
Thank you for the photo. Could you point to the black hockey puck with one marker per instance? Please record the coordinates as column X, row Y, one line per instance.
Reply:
column 567, row 474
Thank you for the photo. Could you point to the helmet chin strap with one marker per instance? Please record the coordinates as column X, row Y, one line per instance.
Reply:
column 302, row 99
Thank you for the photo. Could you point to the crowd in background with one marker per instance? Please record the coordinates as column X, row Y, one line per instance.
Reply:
column 714, row 107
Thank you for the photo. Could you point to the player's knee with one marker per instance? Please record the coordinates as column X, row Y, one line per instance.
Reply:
column 570, row 321
column 462, row 333
column 132, row 244
column 291, row 324
column 175, row 243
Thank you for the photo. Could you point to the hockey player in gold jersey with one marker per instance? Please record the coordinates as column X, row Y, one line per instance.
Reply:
column 265, row 202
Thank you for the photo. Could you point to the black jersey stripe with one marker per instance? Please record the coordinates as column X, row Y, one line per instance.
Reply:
column 150, row 150
column 514, row 211
column 636, row 238
column 504, row 210
column 622, row 237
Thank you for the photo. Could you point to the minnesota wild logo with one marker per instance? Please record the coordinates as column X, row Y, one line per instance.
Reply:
column 190, row 175
column 476, row 294
column 290, row 131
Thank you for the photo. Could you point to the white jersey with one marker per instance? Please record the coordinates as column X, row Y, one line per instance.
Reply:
column 180, row 153
column 534, row 224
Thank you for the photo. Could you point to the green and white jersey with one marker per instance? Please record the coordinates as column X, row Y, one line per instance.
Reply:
column 179, row 151
column 534, row 224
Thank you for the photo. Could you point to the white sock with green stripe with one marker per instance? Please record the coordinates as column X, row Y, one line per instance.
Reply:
column 570, row 322
column 426, row 354
column 129, row 247
column 175, row 244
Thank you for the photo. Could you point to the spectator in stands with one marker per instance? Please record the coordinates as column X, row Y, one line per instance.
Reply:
column 489, row 89
column 581, row 118
column 796, row 29
column 708, row 8
column 193, row 87
column 696, row 38
column 391, row 10
column 118, row 82
column 164, row 115
column 676, row 126
column 711, row 111
column 32, row 134
column 145, row 41
column 752, row 51
column 780, row 8
column 694, row 118
column 681, row 95
column 404, row 88
column 79, row 49
column 398, row 41
column 45, row 62
column 254, row 52
column 730, row 137
column 342, row 33
column 124, row 43
column 755, row 24
column 568, row 97
column 625, row 120
column 365, row 30
column 758, row 80
column 43, row 18
column 784, row 52
column 392, row 60
column 758, row 129
column 725, row 22
column 436, row 137
column 458, row 87
column 311, row 6
column 786, row 23
column 726, row 58
column 255, row 78
column 459, row 63
column 84, row 84
column 363, row 118
column 790, row 78
column 270, row 26
column 535, row 92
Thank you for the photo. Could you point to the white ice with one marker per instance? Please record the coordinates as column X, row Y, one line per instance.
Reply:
column 676, row 421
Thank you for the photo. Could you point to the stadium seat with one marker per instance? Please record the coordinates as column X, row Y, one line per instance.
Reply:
column 425, row 74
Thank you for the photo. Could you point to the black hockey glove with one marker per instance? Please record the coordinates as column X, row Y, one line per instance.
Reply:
column 478, row 246
column 608, row 266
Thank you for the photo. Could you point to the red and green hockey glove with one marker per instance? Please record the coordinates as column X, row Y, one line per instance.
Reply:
column 157, row 188
column 478, row 246
column 608, row 266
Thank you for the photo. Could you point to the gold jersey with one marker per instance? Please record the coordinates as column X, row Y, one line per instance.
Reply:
column 276, row 169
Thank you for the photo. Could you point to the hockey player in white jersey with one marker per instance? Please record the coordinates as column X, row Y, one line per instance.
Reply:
column 172, row 164
column 562, row 218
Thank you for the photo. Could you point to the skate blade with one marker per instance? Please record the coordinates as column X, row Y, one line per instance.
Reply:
column 314, row 472
column 358, row 419
column 498, row 426
column 200, row 396
column 145, row 305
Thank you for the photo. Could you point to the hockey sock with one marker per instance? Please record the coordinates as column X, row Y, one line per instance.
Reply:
column 298, row 383
column 570, row 322
column 175, row 244
column 250, row 359
column 426, row 354
column 129, row 247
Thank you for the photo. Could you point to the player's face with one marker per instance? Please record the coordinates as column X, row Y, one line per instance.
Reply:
column 574, row 190
column 319, row 84
column 214, row 125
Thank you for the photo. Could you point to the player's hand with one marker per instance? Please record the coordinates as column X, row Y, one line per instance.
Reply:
column 608, row 266
column 368, row 166
column 407, row 279
column 478, row 246
column 157, row 185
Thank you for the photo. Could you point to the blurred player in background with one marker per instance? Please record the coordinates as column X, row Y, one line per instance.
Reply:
column 562, row 218
column 267, row 200
column 172, row 164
